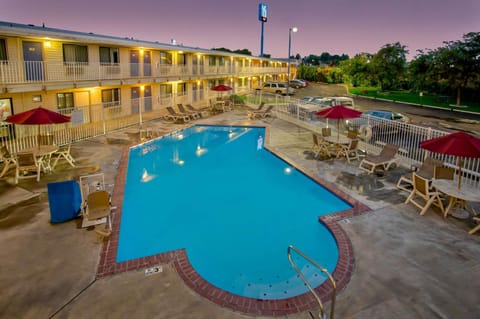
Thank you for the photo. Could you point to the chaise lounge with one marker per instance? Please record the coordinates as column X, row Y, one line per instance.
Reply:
column 384, row 160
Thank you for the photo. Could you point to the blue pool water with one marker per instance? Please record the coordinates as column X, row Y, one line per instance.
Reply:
column 235, row 208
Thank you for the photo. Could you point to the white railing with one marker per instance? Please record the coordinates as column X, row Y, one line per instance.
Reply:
column 380, row 132
column 45, row 72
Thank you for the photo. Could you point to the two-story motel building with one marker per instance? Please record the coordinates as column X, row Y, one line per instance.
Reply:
column 112, row 77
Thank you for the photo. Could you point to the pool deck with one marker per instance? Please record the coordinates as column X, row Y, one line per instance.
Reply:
column 405, row 265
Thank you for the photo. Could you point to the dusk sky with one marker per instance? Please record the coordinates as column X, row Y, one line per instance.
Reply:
column 335, row 26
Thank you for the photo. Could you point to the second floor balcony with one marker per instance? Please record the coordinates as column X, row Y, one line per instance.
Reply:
column 29, row 72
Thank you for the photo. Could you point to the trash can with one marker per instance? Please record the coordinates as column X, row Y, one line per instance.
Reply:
column 65, row 200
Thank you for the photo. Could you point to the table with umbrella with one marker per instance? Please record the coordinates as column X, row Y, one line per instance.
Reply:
column 461, row 145
column 220, row 103
column 39, row 116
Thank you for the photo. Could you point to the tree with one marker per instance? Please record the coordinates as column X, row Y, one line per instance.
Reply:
column 457, row 64
column 357, row 69
column 388, row 65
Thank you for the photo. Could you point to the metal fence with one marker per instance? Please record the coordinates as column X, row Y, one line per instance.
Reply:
column 374, row 132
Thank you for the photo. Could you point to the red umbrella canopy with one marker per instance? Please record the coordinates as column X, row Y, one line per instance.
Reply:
column 339, row 112
column 221, row 88
column 38, row 116
column 458, row 144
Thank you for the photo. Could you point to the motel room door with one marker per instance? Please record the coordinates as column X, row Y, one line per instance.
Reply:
column 147, row 60
column 33, row 60
column 135, row 95
column 147, row 98
column 134, row 60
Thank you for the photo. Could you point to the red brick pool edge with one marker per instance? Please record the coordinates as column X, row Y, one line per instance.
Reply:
column 178, row 258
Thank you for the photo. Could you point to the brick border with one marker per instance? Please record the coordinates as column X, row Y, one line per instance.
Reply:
column 178, row 258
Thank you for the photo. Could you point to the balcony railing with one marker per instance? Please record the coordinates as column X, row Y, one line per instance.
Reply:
column 50, row 72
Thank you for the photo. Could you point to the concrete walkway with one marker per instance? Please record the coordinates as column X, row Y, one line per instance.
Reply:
column 406, row 265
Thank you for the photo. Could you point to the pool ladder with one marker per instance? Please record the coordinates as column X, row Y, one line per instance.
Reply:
column 324, row 270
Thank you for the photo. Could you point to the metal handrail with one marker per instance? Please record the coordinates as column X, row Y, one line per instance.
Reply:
column 324, row 270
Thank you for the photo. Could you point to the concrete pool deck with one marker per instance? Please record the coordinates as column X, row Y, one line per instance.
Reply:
column 406, row 265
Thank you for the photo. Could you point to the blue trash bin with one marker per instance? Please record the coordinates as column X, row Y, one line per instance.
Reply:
column 65, row 201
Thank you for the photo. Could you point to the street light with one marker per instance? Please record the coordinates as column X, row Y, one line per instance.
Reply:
column 292, row 29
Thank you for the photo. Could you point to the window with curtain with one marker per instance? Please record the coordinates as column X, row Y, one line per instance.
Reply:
column 165, row 57
column 111, row 97
column 211, row 60
column 182, row 60
column 109, row 55
column 73, row 53
column 165, row 90
column 181, row 89
column 65, row 100
column 3, row 50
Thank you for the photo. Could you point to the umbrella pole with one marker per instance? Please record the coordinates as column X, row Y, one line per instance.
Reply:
column 459, row 172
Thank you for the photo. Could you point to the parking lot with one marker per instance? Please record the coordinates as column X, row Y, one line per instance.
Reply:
column 435, row 118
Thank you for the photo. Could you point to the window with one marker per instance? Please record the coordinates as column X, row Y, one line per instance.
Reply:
column 221, row 60
column 165, row 58
column 211, row 60
column 65, row 100
column 182, row 60
column 111, row 97
column 3, row 50
column 165, row 90
column 181, row 89
column 109, row 55
column 75, row 53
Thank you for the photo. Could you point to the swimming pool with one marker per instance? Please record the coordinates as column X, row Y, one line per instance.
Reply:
column 233, row 207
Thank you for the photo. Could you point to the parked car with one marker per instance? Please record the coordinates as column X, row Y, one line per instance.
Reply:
column 277, row 88
column 310, row 98
column 377, row 126
column 305, row 82
column 297, row 84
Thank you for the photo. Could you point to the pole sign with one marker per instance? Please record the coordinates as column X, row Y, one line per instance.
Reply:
column 262, row 12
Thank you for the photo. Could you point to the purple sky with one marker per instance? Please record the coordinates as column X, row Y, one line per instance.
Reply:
column 334, row 26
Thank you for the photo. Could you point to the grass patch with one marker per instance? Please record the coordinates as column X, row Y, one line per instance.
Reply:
column 446, row 102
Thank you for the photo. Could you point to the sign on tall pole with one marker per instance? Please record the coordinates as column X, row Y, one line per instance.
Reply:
column 262, row 17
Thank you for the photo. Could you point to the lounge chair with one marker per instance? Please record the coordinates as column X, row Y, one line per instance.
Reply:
column 202, row 111
column 353, row 134
column 98, row 207
column 63, row 152
column 193, row 115
column 260, row 114
column 384, row 160
column 350, row 151
column 7, row 159
column 260, row 107
column 172, row 115
column 26, row 162
column 421, row 189
column 426, row 170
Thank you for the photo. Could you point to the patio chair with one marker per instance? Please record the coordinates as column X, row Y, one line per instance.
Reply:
column 353, row 134
column 326, row 131
column 172, row 115
column 260, row 114
column 193, row 115
column 7, row 159
column 441, row 172
column 202, row 111
column 476, row 228
column 98, row 207
column 350, row 151
column 26, row 162
column 426, row 170
column 422, row 190
column 63, row 152
column 384, row 160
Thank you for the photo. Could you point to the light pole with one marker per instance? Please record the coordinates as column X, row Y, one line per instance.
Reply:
column 292, row 29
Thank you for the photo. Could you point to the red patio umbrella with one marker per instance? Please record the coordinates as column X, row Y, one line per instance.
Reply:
column 339, row 112
column 38, row 116
column 458, row 144
column 221, row 88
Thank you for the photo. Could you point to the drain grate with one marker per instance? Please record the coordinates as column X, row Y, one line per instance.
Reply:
column 153, row 270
